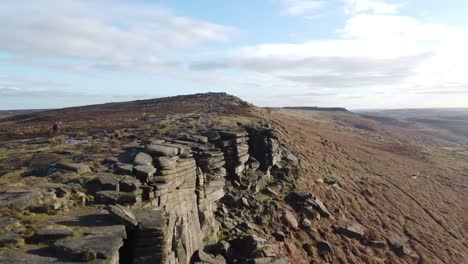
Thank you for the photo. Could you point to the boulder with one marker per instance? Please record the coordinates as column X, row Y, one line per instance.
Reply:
column 143, row 159
column 75, row 167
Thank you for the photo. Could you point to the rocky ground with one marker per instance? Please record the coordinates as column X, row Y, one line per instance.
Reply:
column 211, row 179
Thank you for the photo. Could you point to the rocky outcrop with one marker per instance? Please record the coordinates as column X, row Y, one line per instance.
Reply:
column 167, row 195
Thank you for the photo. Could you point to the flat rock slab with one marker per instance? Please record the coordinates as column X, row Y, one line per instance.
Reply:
column 92, row 247
column 52, row 233
column 43, row 256
column 160, row 150
column 21, row 199
column 75, row 167
column 103, row 183
column 123, row 215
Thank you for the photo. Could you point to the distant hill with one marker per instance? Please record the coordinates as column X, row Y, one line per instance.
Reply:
column 9, row 113
column 315, row 108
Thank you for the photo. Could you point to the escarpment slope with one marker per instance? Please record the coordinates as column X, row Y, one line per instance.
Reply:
column 209, row 178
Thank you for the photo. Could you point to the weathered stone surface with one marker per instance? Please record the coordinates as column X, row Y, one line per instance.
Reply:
column 203, row 257
column 160, row 150
column 76, row 167
column 10, row 238
column 123, row 215
column 124, row 169
column 106, row 197
column 143, row 159
column 144, row 173
column 290, row 220
column 7, row 223
column 103, row 183
column 92, row 247
column 52, row 233
column 20, row 199
column 167, row 162
column 129, row 184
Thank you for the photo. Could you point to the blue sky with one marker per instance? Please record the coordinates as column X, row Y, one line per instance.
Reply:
column 350, row 53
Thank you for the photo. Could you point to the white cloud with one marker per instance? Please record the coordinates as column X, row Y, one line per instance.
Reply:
column 302, row 7
column 370, row 6
column 400, row 55
column 104, row 31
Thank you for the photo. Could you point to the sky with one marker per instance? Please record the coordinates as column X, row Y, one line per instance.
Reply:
column 358, row 54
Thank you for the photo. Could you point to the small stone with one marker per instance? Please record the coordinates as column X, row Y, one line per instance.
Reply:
column 290, row 220
column 324, row 248
column 245, row 202
column 353, row 231
column 143, row 159
column 272, row 192
column 330, row 181
column 395, row 242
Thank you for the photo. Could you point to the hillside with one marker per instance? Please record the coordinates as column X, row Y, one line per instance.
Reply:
column 218, row 179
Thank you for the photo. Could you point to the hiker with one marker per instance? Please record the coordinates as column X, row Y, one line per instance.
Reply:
column 56, row 128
